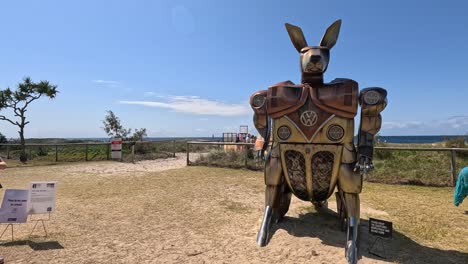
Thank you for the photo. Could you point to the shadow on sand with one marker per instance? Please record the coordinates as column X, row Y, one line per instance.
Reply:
column 46, row 245
column 400, row 249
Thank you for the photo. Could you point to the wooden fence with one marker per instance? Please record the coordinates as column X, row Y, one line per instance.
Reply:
column 453, row 152
column 61, row 147
column 453, row 156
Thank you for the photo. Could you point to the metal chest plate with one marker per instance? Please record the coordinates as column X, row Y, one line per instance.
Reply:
column 311, row 170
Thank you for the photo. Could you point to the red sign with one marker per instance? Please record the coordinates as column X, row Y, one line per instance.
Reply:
column 116, row 147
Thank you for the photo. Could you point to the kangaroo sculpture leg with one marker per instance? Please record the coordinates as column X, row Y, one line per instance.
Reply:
column 349, row 186
column 353, row 213
column 277, row 196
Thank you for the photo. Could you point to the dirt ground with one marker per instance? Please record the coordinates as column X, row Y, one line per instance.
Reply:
column 161, row 212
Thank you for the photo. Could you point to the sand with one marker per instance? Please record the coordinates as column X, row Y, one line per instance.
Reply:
column 160, row 212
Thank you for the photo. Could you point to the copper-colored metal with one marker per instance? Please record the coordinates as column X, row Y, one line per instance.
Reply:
column 313, row 131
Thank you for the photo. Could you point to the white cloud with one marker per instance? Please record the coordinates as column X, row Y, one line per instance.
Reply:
column 196, row 105
column 454, row 124
column 406, row 124
column 106, row 82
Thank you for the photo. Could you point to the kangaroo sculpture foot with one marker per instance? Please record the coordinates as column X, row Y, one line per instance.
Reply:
column 263, row 233
column 351, row 249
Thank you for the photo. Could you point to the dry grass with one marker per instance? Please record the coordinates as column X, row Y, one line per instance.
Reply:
column 211, row 215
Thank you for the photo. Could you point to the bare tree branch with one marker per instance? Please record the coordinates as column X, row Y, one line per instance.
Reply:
column 6, row 119
column 33, row 98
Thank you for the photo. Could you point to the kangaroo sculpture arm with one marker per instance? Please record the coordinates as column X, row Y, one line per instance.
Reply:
column 260, row 118
column 372, row 101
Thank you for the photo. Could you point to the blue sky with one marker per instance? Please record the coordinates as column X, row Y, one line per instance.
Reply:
column 187, row 68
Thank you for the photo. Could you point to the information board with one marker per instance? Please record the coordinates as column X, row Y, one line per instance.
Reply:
column 116, row 148
column 380, row 228
column 14, row 206
column 244, row 129
column 41, row 199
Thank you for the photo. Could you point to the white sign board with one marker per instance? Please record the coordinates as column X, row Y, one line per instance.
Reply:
column 244, row 129
column 14, row 206
column 41, row 199
column 116, row 148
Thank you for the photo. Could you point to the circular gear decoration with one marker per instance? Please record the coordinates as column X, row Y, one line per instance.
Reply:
column 258, row 100
column 371, row 97
column 284, row 132
column 335, row 132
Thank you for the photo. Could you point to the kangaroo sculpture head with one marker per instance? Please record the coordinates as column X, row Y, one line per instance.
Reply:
column 314, row 59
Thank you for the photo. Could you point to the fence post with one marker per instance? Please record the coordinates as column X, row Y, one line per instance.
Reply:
column 453, row 163
column 133, row 152
column 30, row 152
column 174, row 147
column 122, row 151
column 246, row 156
column 188, row 151
column 56, row 153
column 108, row 151
column 8, row 151
column 86, row 152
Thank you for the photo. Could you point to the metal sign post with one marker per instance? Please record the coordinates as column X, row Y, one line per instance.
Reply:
column 382, row 230
column 37, row 222
column 8, row 225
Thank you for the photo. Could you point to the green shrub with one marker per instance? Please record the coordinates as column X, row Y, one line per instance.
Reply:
column 458, row 142
column 42, row 151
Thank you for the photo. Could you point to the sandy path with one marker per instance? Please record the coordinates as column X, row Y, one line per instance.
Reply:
column 112, row 167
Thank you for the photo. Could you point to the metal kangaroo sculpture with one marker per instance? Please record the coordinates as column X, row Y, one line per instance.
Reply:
column 311, row 125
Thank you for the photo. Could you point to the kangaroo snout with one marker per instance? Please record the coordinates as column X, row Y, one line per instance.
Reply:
column 314, row 60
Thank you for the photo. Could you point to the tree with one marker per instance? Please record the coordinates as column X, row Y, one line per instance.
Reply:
column 2, row 139
column 139, row 134
column 19, row 100
column 113, row 127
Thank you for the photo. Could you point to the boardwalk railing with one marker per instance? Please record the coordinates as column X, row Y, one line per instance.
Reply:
column 202, row 150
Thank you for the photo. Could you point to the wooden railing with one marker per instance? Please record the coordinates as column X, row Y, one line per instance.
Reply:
column 453, row 152
column 453, row 156
column 29, row 147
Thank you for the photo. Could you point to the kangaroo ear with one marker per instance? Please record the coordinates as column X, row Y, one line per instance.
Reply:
column 331, row 35
column 297, row 37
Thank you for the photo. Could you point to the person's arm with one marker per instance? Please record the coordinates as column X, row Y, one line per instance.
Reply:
column 3, row 165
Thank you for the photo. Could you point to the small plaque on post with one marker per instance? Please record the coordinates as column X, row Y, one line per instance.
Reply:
column 380, row 228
